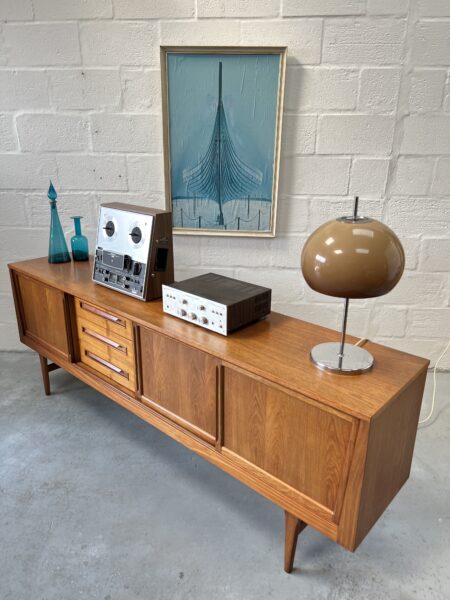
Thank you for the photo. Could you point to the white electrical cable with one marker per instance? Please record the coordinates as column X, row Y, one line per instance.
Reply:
column 433, row 396
column 362, row 341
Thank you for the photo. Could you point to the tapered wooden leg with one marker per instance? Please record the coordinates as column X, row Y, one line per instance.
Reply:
column 45, row 377
column 293, row 527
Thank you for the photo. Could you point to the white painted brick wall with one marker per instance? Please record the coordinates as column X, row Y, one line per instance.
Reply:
column 355, row 134
column 362, row 41
column 441, row 183
column 369, row 176
column 321, row 89
column 48, row 10
column 298, row 8
column 387, row 7
column 16, row 10
column 108, row 43
column 49, row 132
column 367, row 112
column 302, row 36
column 8, row 139
column 379, row 89
column 126, row 133
column 237, row 8
column 23, row 89
column 147, row 9
column 427, row 89
column 433, row 8
column 430, row 43
column 426, row 134
column 41, row 44
column 412, row 176
column 85, row 88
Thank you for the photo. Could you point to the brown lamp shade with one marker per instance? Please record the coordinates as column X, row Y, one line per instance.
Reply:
column 353, row 258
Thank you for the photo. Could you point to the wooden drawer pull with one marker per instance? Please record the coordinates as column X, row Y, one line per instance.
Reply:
column 106, row 364
column 102, row 313
column 105, row 340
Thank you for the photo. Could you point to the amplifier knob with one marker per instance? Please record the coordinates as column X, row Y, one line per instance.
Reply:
column 184, row 301
column 201, row 308
column 204, row 320
column 182, row 312
column 192, row 316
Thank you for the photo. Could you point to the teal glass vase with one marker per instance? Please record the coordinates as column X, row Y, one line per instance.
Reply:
column 79, row 243
column 57, row 247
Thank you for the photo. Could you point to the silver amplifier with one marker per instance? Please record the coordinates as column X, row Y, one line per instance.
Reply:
column 215, row 302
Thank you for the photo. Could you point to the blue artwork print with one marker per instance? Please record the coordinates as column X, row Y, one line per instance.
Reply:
column 222, row 135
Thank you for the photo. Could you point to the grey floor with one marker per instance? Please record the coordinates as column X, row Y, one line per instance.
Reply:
column 96, row 504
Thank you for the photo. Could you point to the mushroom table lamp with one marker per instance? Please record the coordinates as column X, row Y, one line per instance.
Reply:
column 350, row 257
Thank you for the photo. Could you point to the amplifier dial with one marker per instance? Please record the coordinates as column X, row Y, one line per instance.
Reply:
column 192, row 316
column 182, row 312
column 204, row 320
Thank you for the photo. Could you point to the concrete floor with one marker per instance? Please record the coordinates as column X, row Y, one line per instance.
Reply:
column 96, row 504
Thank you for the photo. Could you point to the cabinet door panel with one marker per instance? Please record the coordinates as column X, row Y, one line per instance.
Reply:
column 297, row 441
column 180, row 382
column 43, row 315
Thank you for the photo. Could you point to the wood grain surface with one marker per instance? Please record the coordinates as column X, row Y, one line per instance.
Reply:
column 276, row 348
column 293, row 440
column 332, row 451
column 180, row 382
column 42, row 311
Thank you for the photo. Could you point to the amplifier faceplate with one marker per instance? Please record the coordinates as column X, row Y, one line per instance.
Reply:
column 220, row 304
column 210, row 315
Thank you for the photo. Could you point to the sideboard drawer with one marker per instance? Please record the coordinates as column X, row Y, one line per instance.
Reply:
column 109, row 321
column 108, row 363
column 116, row 346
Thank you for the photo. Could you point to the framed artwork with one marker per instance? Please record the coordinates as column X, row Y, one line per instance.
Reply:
column 222, row 111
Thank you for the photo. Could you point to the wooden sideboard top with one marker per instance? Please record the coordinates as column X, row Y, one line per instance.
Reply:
column 276, row 348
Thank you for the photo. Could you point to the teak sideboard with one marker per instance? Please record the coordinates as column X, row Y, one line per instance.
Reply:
column 331, row 450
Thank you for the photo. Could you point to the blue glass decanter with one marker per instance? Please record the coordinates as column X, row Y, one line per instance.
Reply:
column 79, row 243
column 57, row 247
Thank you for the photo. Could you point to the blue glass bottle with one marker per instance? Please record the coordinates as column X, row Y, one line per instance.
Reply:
column 79, row 243
column 57, row 247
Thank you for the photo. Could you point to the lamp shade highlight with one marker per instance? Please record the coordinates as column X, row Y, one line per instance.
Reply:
column 353, row 258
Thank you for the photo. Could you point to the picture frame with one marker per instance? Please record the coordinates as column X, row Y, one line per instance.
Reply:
column 222, row 120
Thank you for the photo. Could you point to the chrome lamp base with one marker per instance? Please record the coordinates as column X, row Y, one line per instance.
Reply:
column 349, row 359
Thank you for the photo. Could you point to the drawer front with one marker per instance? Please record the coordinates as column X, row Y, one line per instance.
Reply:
column 108, row 321
column 112, row 367
column 114, row 346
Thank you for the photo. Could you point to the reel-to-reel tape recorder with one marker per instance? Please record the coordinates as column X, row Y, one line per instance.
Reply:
column 134, row 252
